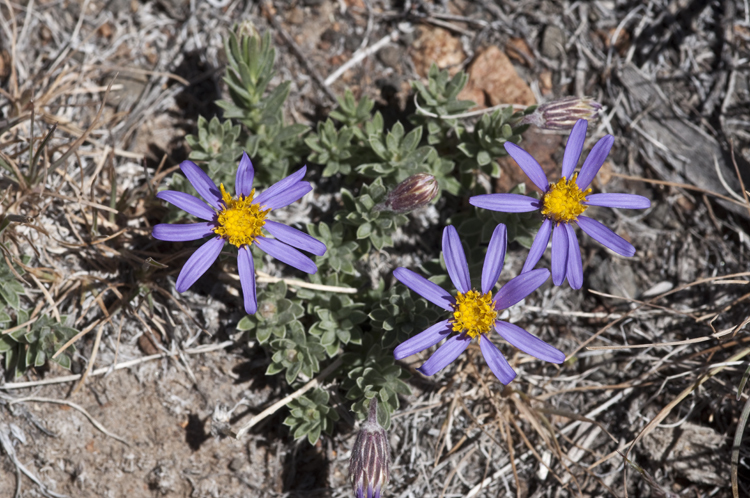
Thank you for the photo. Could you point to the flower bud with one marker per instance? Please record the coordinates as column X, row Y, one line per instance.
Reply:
column 562, row 114
column 370, row 464
column 413, row 193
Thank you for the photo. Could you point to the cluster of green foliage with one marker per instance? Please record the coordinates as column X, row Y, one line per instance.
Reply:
column 33, row 342
column 304, row 330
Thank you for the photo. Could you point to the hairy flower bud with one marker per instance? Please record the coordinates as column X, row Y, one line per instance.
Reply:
column 562, row 114
column 370, row 464
column 413, row 193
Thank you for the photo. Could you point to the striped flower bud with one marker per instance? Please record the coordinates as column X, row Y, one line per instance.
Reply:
column 562, row 114
column 413, row 193
column 369, row 466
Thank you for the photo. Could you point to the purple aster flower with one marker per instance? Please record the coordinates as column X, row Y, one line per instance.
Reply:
column 562, row 206
column 475, row 313
column 239, row 221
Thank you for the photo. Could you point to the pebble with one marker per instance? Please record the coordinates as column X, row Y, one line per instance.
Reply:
column 390, row 56
column 553, row 42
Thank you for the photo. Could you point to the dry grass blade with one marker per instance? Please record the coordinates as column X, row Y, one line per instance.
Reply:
column 94, row 422
column 741, row 424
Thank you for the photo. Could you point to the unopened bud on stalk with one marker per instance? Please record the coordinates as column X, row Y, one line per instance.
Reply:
column 413, row 193
column 370, row 464
column 562, row 114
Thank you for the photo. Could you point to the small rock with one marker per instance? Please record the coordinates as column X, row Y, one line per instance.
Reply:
column 553, row 42
column 236, row 464
column 390, row 56
column 492, row 74
column 312, row 3
column 439, row 46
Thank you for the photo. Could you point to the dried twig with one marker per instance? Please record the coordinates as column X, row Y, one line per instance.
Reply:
column 284, row 401
column 360, row 55
column 119, row 366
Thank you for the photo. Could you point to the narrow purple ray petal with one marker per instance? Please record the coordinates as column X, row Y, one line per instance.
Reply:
column 281, row 185
column 574, row 270
column 495, row 258
column 198, row 263
column 594, row 161
column 528, row 343
column 202, row 183
column 246, row 269
column 538, row 246
column 243, row 184
column 286, row 254
column 506, row 203
column 445, row 354
column 573, row 148
column 295, row 238
column 528, row 164
column 287, row 196
column 432, row 292
column 182, row 233
column 425, row 339
column 188, row 203
column 559, row 253
column 605, row 236
column 519, row 287
column 455, row 260
column 496, row 361
column 623, row 201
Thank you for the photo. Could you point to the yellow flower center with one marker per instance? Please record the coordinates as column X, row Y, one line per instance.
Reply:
column 240, row 221
column 563, row 202
column 475, row 313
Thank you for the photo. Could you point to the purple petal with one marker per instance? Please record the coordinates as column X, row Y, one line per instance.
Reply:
column 246, row 269
column 198, row 263
column 496, row 361
column 445, row 354
column 432, row 292
column 493, row 261
column 538, row 246
column 573, row 148
column 506, row 203
column 559, row 253
column 528, row 343
column 594, row 161
column 202, row 183
column 243, row 184
column 605, row 236
column 182, row 233
column 188, row 203
column 623, row 201
column 528, row 164
column 281, row 186
column 295, row 238
column 288, row 196
column 423, row 340
column 455, row 260
column 286, row 254
column 574, row 270
column 519, row 287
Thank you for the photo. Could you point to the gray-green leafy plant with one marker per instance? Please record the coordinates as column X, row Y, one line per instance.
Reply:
column 33, row 342
column 303, row 329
